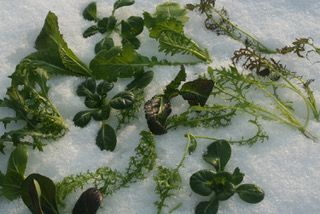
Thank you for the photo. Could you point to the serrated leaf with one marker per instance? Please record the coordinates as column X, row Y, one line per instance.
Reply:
column 89, row 202
column 132, row 26
column 82, row 118
column 250, row 193
column 104, row 87
column 122, row 3
column 92, row 30
column 197, row 92
column 104, row 44
column 218, row 154
column 106, row 138
column 86, row 88
column 207, row 207
column 122, row 100
column 201, row 182
column 101, row 114
column 141, row 81
column 90, row 12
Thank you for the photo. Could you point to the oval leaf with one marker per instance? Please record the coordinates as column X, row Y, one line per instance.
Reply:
column 82, row 118
column 250, row 193
column 122, row 3
column 207, row 207
column 227, row 191
column 104, row 44
column 90, row 12
column 237, row 176
column 101, row 114
column 87, row 88
column 201, row 182
column 106, row 139
column 122, row 100
column 12, row 182
column 132, row 27
column 104, row 87
column 18, row 160
column 218, row 154
column 89, row 202
column 93, row 101
column 92, row 30
column 141, row 81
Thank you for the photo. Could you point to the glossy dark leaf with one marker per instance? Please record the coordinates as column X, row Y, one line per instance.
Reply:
column 104, row 44
column 140, row 82
column 18, row 160
column 157, row 111
column 82, row 118
column 227, row 191
column 237, row 176
column 201, row 182
column 92, row 30
column 87, row 88
column 133, row 41
column 104, row 87
column 106, row 138
column 132, row 27
column 171, row 89
column 197, row 92
column 89, row 202
column 122, row 100
column 12, row 182
column 101, row 114
column 218, row 154
column 93, row 101
column 207, row 207
column 47, row 199
column 90, row 12
column 250, row 193
column 111, row 23
column 103, row 25
column 122, row 3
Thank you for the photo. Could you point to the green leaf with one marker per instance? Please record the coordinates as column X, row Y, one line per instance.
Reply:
column 218, row 154
column 103, row 25
column 89, row 202
column 51, row 38
column 1, row 183
column 122, row 3
column 171, row 89
column 18, row 160
column 47, row 199
column 134, row 41
column 104, row 87
column 90, row 12
column 92, row 30
column 111, row 23
column 122, row 100
column 207, row 207
column 237, row 176
column 106, row 139
column 104, row 44
column 197, row 92
column 132, row 26
column 82, row 118
column 141, row 81
column 250, row 193
column 101, row 114
column 93, row 101
column 201, row 182
column 87, row 88
column 171, row 10
column 12, row 184
column 227, row 192
column 222, row 186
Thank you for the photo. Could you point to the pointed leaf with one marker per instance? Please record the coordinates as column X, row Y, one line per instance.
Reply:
column 89, row 202
column 218, row 154
column 122, row 100
column 207, row 207
column 82, row 118
column 90, row 12
column 104, row 44
column 122, row 3
column 250, row 193
column 35, row 196
column 87, row 88
column 104, row 87
column 92, row 30
column 106, row 139
column 201, row 182
column 171, row 89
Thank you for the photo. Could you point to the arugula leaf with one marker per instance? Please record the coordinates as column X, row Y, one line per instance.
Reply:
column 106, row 139
column 90, row 12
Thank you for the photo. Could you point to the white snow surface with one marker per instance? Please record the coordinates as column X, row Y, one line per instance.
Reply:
column 287, row 166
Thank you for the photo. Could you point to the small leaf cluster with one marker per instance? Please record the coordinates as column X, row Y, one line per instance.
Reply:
column 38, row 192
column 99, row 109
column 221, row 183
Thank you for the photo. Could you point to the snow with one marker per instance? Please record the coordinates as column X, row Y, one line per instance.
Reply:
column 287, row 166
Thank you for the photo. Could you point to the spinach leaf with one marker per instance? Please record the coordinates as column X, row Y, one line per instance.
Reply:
column 122, row 100
column 89, row 202
column 201, row 182
column 87, row 88
column 218, row 154
column 106, row 138
column 82, row 118
column 207, row 207
column 90, row 12
column 122, row 3
column 104, row 44
column 250, row 193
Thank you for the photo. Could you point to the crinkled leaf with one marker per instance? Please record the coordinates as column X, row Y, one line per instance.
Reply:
column 222, row 186
column 89, row 202
column 157, row 111
column 87, row 88
column 218, row 154
column 201, row 182
column 93, row 101
column 92, row 30
column 82, row 118
column 12, row 184
column 171, row 89
column 237, row 176
column 47, row 191
column 207, row 207
column 197, row 92
column 104, row 44
column 250, row 193
column 18, row 160
column 90, row 12
column 106, row 139
column 132, row 26
column 122, row 3
column 140, row 81
column 101, row 114
column 122, row 100
column 104, row 87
